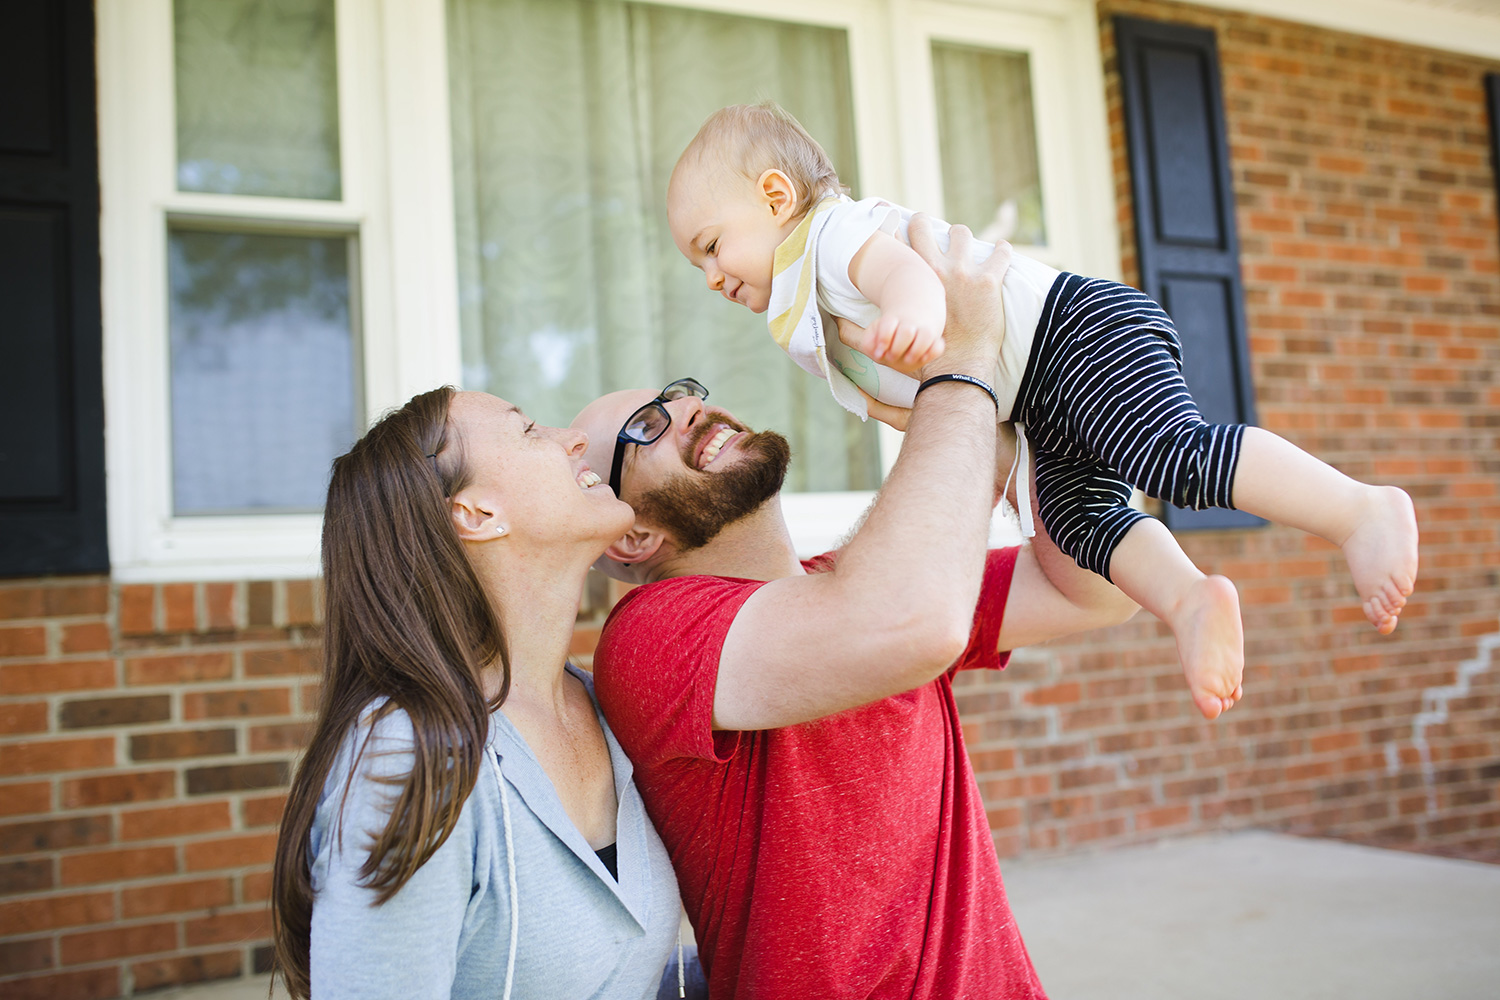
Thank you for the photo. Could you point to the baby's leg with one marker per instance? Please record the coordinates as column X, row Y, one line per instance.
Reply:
column 1130, row 406
column 1084, row 506
column 1374, row 525
column 1202, row 611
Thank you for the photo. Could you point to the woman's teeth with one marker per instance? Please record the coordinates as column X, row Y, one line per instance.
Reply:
column 711, row 450
column 589, row 479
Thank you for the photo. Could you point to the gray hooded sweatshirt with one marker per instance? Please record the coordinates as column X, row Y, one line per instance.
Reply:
column 449, row 931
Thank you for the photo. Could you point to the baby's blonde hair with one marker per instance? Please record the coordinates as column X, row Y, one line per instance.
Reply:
column 753, row 138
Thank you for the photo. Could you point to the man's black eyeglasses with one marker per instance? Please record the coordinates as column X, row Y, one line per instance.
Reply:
column 650, row 422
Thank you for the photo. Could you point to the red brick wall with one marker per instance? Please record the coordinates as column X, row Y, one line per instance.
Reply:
column 1367, row 215
column 146, row 739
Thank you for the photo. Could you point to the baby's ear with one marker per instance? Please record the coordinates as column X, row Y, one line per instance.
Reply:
column 778, row 192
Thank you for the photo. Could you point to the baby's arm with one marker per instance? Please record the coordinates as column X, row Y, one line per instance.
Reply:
column 909, row 332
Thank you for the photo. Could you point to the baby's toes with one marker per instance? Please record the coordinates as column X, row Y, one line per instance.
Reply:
column 1384, row 619
column 1210, row 705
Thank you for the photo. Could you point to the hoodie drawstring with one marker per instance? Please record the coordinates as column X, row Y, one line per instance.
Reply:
column 510, row 864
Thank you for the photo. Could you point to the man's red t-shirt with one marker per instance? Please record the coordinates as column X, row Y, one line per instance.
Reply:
column 845, row 857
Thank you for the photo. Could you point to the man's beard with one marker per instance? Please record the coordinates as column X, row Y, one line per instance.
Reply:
column 695, row 506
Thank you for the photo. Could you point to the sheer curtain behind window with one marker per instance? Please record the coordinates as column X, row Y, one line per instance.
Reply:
column 987, row 138
column 568, row 116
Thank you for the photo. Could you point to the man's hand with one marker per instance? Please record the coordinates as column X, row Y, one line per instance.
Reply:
column 976, row 315
column 895, row 416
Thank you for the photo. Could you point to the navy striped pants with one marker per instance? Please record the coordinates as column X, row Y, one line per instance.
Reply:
column 1105, row 407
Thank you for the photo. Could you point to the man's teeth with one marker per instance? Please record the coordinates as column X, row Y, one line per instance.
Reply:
column 589, row 479
column 711, row 451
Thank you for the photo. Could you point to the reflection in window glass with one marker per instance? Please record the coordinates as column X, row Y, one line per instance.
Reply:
column 257, row 97
column 987, row 138
column 568, row 116
column 264, row 391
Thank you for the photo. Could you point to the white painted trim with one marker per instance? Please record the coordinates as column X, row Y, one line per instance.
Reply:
column 137, row 165
column 1410, row 22
column 819, row 521
column 417, row 150
column 1072, row 128
column 1404, row 21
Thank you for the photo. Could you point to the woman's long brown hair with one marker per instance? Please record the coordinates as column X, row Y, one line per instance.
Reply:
column 406, row 619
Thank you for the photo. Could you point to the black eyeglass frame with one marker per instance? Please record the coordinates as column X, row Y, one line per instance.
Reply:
column 683, row 387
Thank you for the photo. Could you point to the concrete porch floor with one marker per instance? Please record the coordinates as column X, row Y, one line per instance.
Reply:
column 1234, row 917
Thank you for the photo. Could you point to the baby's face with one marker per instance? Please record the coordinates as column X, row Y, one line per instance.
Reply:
column 725, row 224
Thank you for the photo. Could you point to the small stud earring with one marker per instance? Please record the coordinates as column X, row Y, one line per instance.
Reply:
column 499, row 529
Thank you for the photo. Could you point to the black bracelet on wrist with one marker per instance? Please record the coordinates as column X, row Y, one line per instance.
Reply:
column 969, row 379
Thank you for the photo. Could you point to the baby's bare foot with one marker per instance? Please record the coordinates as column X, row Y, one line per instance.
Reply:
column 1382, row 555
column 1211, row 644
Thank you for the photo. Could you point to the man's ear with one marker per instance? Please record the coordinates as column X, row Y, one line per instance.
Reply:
column 476, row 519
column 778, row 192
column 636, row 546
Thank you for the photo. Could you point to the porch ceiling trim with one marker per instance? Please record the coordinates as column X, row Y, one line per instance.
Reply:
column 1429, row 25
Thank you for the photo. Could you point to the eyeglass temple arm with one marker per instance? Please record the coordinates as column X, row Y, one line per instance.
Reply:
column 616, row 465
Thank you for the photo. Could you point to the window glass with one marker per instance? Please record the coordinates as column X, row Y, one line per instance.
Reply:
column 568, row 116
column 257, row 97
column 263, row 356
column 987, row 140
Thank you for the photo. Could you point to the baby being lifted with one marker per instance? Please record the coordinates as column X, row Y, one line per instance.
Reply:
column 1090, row 369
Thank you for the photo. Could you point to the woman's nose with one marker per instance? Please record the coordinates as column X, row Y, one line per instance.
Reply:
column 573, row 439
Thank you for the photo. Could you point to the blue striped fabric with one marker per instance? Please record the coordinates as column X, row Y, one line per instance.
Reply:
column 1105, row 406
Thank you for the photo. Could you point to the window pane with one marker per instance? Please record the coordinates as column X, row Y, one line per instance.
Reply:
column 257, row 97
column 264, row 391
column 568, row 116
column 987, row 138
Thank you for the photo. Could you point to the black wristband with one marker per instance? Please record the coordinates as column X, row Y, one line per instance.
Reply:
column 969, row 379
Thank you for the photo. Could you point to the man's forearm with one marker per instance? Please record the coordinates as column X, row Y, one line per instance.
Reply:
column 924, row 538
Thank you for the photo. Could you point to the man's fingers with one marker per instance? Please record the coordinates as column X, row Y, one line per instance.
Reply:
column 999, row 261
column 923, row 241
column 895, row 416
column 850, row 332
column 960, row 241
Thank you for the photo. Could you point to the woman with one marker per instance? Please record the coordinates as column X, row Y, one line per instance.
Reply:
column 464, row 823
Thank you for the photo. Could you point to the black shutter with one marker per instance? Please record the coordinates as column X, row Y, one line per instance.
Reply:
column 51, row 388
column 1184, row 220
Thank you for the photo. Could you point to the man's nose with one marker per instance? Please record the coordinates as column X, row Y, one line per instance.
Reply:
column 686, row 412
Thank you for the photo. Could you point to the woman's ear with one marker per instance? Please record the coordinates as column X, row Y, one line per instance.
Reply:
column 476, row 520
column 779, row 193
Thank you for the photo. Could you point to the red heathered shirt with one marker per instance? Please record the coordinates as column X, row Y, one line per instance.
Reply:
column 845, row 857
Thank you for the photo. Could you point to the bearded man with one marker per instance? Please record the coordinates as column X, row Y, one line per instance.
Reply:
column 792, row 724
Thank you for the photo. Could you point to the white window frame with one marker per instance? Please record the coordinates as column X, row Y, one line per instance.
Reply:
column 397, row 198
column 1061, row 43
column 386, row 140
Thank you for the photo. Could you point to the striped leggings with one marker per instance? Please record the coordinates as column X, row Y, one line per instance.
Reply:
column 1105, row 407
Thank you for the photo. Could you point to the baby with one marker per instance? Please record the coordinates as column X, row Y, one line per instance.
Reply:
column 1090, row 370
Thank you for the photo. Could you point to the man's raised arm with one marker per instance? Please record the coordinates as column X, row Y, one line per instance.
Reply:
column 895, row 611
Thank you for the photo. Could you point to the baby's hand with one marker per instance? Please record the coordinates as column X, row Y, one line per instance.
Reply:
column 903, row 344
